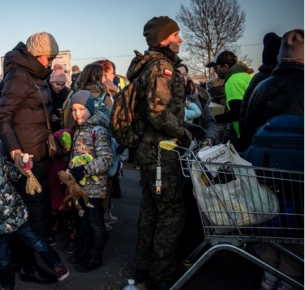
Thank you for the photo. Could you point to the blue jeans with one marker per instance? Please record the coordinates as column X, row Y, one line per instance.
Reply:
column 92, row 227
column 35, row 242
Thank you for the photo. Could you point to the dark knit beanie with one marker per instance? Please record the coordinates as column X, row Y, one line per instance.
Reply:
column 272, row 43
column 84, row 98
column 292, row 47
column 159, row 28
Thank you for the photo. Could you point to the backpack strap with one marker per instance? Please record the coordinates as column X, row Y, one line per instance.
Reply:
column 66, row 102
column 102, row 97
column 94, row 133
column 67, row 120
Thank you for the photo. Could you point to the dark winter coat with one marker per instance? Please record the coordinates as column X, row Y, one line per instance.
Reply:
column 281, row 93
column 264, row 72
column 58, row 100
column 22, row 118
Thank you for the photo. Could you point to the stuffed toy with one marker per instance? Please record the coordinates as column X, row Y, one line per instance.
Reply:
column 73, row 192
column 65, row 139
column 32, row 185
column 83, row 160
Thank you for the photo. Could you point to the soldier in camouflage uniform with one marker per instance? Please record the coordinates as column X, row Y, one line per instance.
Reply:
column 14, row 220
column 93, row 232
column 161, row 106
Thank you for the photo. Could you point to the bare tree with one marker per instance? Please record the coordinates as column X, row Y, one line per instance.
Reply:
column 208, row 26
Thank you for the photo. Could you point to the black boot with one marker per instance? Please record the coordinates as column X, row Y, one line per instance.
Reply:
column 116, row 188
column 37, row 275
column 159, row 285
column 141, row 275
column 79, row 255
column 89, row 263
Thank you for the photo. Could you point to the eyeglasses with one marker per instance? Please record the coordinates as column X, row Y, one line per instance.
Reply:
column 184, row 74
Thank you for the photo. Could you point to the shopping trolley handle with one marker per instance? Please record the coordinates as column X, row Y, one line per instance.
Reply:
column 168, row 144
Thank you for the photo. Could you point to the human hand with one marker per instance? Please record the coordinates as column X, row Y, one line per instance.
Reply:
column 18, row 159
column 210, row 142
column 55, row 118
column 186, row 140
column 78, row 172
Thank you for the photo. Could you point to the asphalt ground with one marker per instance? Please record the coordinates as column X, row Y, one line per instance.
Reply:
column 223, row 271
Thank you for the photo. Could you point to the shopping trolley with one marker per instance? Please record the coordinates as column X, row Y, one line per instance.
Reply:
column 240, row 205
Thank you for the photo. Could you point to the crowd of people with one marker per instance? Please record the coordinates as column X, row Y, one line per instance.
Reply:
column 170, row 104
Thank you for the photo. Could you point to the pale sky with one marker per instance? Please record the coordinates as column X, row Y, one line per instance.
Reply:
column 97, row 29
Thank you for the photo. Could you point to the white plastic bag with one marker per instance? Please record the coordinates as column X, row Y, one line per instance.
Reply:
column 239, row 202
column 216, row 154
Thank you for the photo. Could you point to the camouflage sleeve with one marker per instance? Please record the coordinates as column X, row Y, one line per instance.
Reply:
column 159, row 96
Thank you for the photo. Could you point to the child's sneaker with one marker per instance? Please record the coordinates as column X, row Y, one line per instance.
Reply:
column 91, row 262
column 109, row 218
column 269, row 282
column 268, row 285
column 285, row 286
column 61, row 272
column 52, row 239
column 108, row 227
column 70, row 248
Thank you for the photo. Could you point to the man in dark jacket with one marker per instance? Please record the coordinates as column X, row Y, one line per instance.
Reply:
column 272, row 44
column 281, row 93
column 23, row 129
column 237, row 80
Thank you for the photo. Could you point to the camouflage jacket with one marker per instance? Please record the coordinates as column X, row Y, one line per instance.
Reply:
column 13, row 212
column 100, row 149
column 161, row 104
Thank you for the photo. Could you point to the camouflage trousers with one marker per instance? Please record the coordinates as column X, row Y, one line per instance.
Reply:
column 160, row 223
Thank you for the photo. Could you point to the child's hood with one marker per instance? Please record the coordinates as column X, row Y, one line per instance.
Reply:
column 99, row 118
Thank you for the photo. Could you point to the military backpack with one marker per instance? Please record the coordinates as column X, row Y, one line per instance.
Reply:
column 126, row 122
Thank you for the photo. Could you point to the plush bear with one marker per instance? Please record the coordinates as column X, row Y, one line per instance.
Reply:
column 73, row 192
column 83, row 160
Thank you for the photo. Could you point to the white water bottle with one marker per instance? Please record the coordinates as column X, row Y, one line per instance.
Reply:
column 131, row 285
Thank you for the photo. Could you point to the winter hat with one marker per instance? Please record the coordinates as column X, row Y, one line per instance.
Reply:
column 224, row 57
column 272, row 43
column 159, row 28
column 58, row 74
column 42, row 43
column 84, row 98
column 292, row 47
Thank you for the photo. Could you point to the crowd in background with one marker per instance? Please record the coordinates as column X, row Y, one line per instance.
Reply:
column 172, row 106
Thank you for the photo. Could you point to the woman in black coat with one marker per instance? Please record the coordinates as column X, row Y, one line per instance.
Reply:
column 23, row 129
